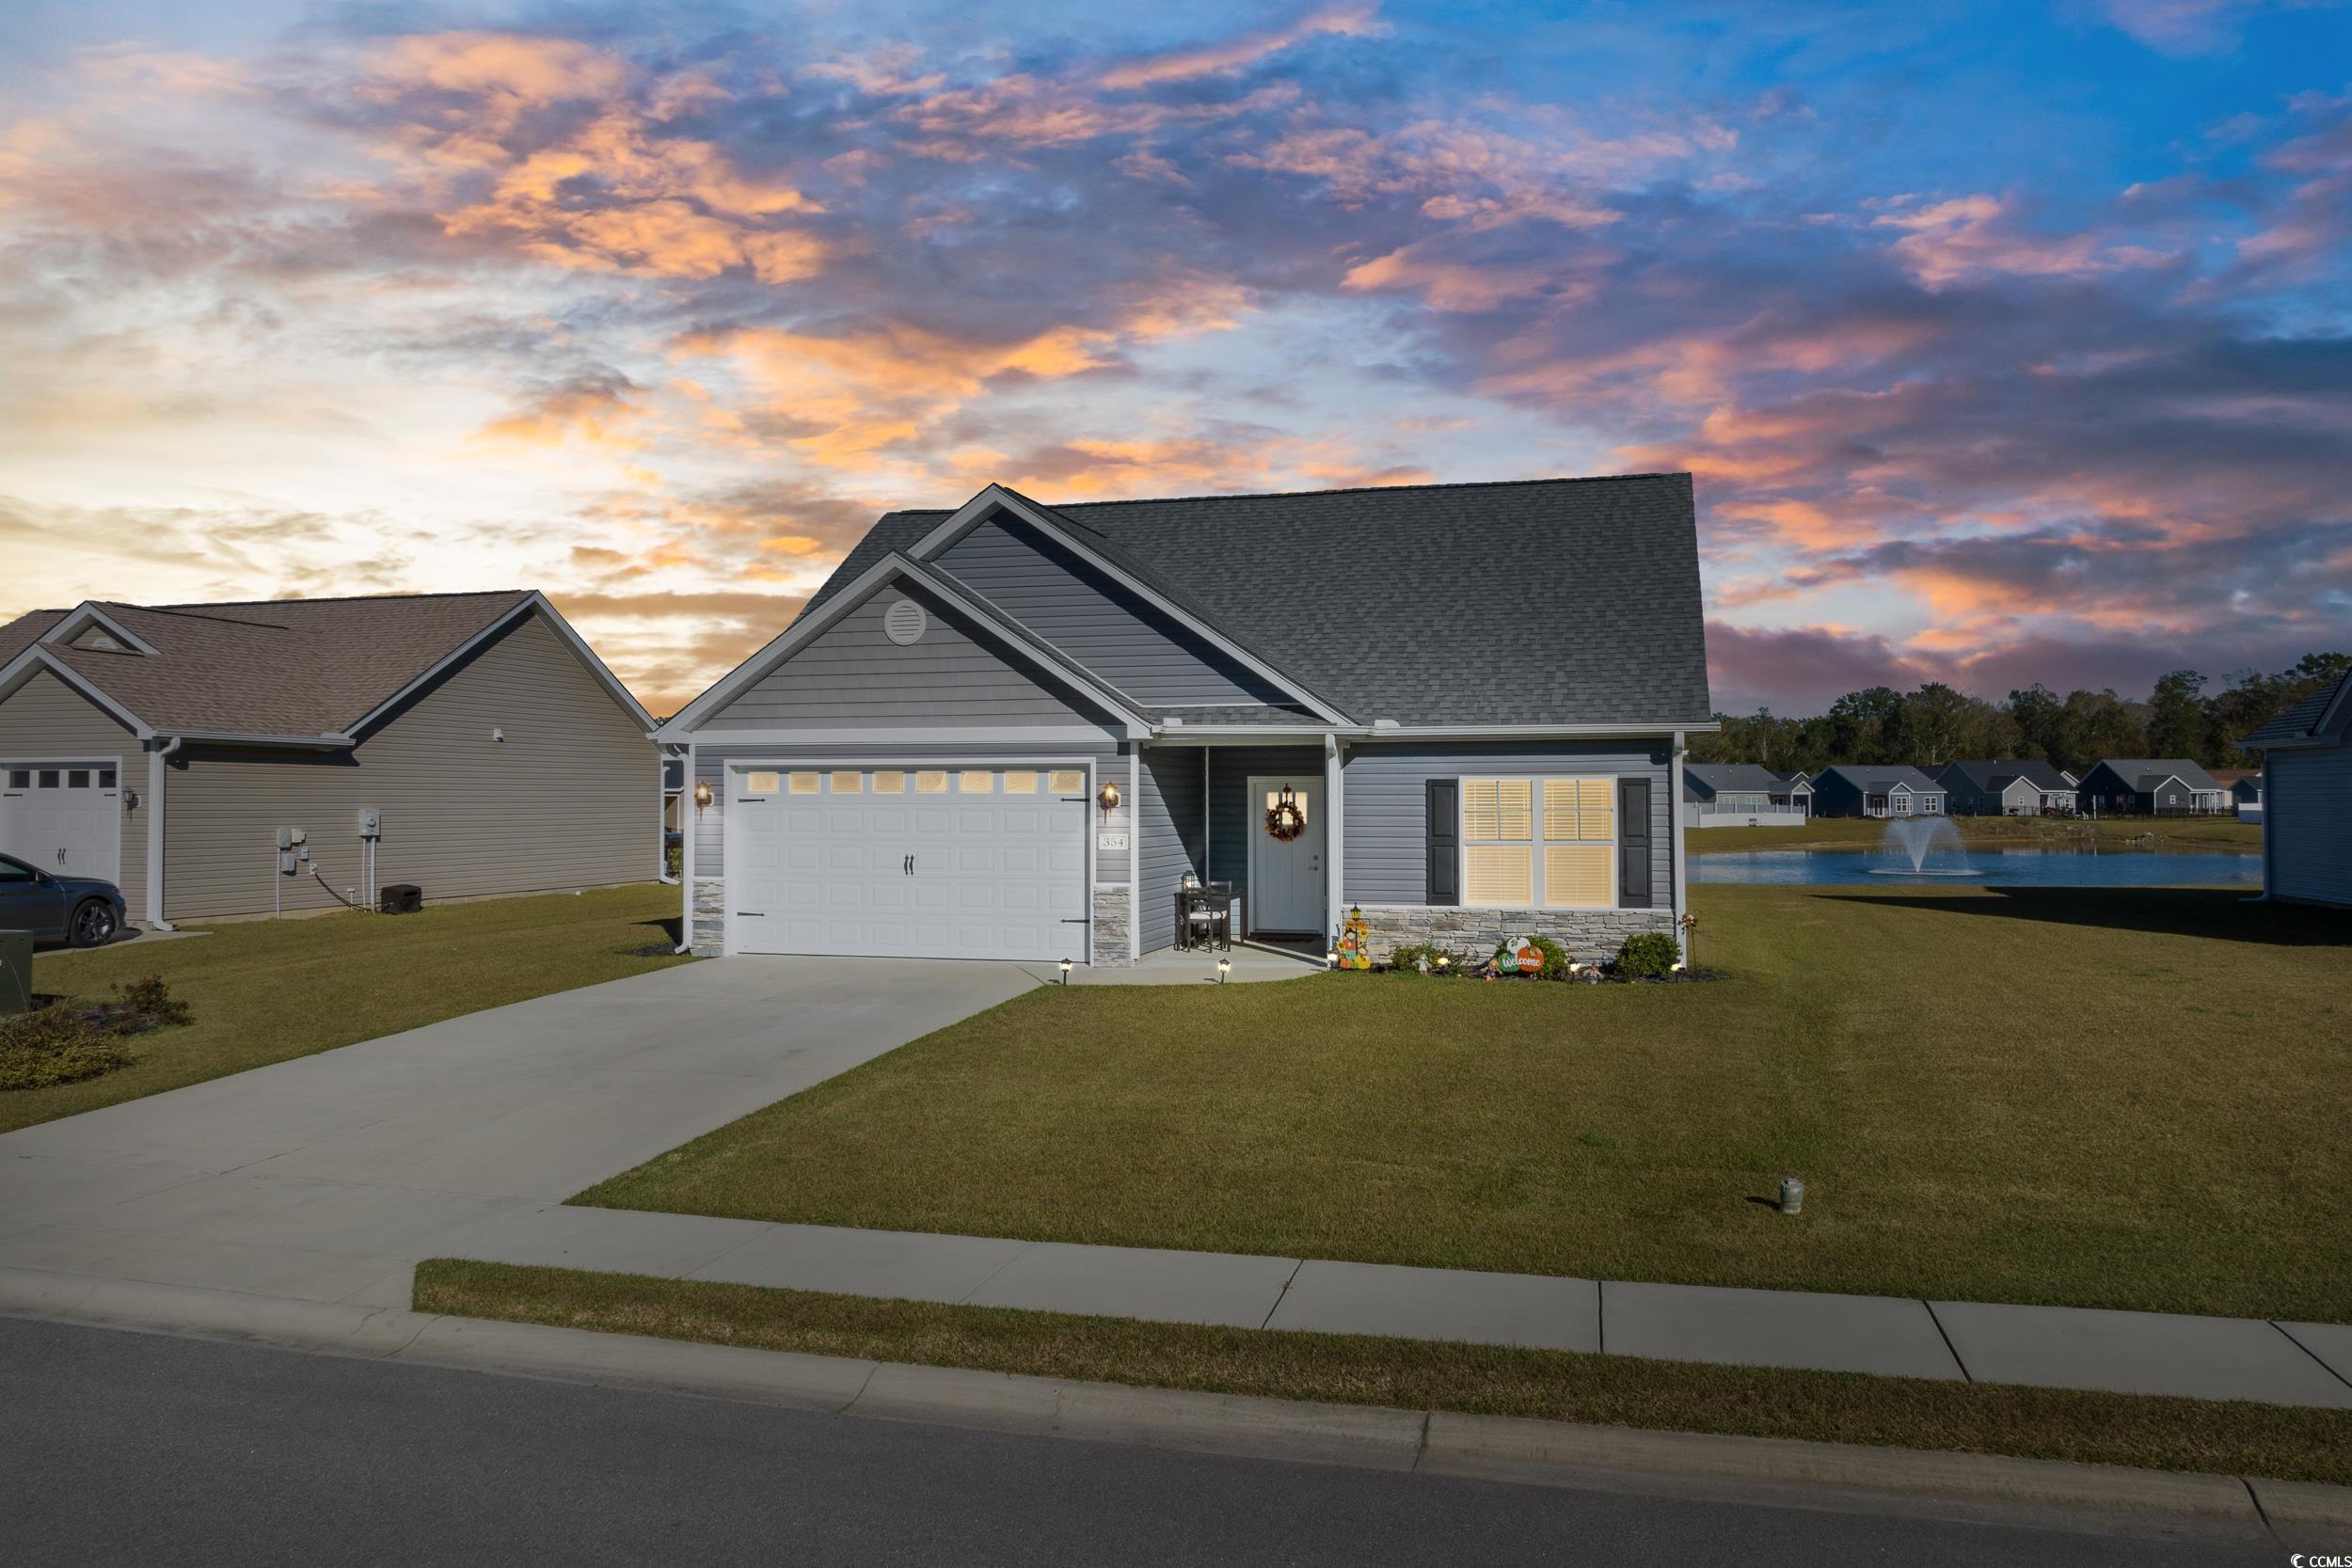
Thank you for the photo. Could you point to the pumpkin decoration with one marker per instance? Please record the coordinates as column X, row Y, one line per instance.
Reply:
column 1284, row 821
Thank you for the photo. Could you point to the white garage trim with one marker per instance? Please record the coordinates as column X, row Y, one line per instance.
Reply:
column 92, row 845
column 736, row 766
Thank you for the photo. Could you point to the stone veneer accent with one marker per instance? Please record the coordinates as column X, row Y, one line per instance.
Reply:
column 1114, row 910
column 1587, row 934
column 711, row 929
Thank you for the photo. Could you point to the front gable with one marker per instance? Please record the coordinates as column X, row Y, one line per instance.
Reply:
column 1098, row 621
column 878, row 666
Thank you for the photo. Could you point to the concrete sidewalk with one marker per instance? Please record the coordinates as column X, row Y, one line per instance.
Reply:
column 2058, row 1347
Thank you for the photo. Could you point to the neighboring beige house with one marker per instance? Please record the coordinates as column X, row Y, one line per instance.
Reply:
column 470, row 744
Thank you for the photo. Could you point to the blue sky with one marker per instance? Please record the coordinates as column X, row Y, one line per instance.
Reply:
column 2006, row 342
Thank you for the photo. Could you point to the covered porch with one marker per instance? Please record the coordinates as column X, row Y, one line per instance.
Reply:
column 1203, row 810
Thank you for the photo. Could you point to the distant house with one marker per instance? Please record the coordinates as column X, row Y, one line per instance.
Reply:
column 233, row 759
column 2025, row 787
column 2150, row 786
column 2245, row 786
column 1741, row 794
column 1889, row 791
column 2307, row 799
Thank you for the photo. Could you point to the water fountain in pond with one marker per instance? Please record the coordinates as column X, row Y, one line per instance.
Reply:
column 1911, row 842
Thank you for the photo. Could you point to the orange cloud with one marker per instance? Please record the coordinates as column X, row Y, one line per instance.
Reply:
column 1355, row 19
column 1966, row 236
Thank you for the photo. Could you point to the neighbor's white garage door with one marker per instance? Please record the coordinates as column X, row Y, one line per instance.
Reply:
column 63, row 816
column 978, row 862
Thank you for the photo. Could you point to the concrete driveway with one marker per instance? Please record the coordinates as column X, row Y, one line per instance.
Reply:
column 328, row 1177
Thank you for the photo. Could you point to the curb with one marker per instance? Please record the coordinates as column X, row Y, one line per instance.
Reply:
column 1785, row 1472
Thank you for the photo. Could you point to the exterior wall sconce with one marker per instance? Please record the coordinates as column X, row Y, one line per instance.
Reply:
column 1107, row 797
column 702, row 795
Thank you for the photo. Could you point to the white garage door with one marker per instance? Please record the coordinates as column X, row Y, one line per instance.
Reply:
column 63, row 816
column 978, row 862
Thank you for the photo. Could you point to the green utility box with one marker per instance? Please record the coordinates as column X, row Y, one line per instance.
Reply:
column 16, row 972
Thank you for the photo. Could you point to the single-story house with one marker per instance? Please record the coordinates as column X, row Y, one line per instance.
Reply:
column 2026, row 786
column 1013, row 730
column 2150, row 786
column 2307, row 798
column 1853, row 789
column 1743, row 794
column 236, row 759
column 2245, row 786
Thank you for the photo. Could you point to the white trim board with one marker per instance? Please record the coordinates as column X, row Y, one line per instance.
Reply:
column 89, row 613
column 36, row 659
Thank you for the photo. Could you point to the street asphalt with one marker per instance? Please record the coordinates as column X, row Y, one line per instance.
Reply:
column 134, row 1447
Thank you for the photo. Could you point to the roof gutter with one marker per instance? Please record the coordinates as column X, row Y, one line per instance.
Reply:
column 1636, row 729
column 230, row 738
column 159, row 751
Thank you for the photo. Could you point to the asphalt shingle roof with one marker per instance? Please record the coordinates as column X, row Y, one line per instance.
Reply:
column 270, row 666
column 1883, row 778
column 1999, row 773
column 2145, row 773
column 1720, row 776
column 2297, row 720
column 1538, row 601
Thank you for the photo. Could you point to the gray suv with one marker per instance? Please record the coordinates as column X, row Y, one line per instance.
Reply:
column 82, row 911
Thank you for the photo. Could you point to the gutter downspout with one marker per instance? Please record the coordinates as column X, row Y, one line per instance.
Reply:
column 1681, row 893
column 156, row 755
column 691, row 828
column 663, row 756
column 2269, row 842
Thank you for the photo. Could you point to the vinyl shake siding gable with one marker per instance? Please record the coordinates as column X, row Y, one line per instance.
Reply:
column 566, row 799
column 854, row 676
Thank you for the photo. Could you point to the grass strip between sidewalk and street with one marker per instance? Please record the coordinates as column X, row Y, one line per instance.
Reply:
column 2234, row 1437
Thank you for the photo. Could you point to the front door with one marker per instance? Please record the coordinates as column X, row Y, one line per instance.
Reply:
column 1286, row 883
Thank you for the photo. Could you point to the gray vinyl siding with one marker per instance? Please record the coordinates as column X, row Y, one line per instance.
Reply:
column 47, row 717
column 1386, row 807
column 2308, row 820
column 851, row 675
column 569, row 800
column 1096, row 620
column 1232, row 816
column 1109, row 761
column 1170, row 820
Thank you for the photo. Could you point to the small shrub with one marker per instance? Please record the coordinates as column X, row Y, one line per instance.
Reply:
column 1413, row 957
column 56, row 1045
column 1649, row 956
column 149, row 1003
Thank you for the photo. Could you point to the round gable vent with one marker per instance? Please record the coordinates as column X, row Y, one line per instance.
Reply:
column 904, row 622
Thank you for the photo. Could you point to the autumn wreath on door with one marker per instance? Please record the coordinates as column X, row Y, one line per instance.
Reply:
column 1283, row 819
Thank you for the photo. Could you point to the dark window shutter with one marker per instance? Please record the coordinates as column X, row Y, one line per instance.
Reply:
column 1444, row 841
column 1633, row 844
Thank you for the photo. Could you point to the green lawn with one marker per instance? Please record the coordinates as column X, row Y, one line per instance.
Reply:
column 263, row 991
column 2229, row 1439
column 2113, row 1097
column 1855, row 832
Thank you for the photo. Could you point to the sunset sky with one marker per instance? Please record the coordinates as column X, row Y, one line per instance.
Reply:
column 2006, row 341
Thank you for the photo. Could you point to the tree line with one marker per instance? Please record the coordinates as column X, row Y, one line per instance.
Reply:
column 1935, row 724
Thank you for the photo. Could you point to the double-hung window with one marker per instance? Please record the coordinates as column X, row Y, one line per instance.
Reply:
column 1539, row 843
